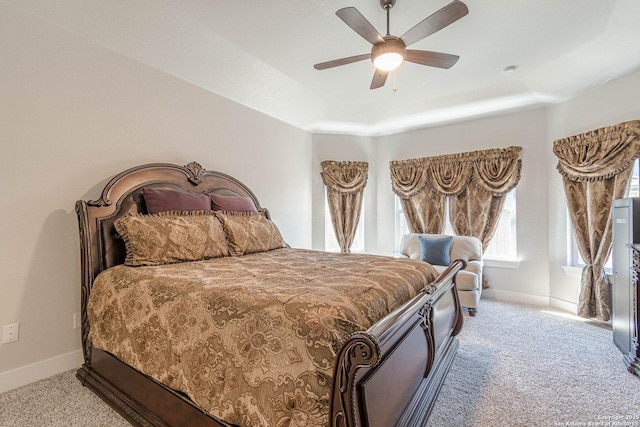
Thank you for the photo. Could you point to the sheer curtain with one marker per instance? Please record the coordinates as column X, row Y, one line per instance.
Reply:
column 345, row 182
column 596, row 168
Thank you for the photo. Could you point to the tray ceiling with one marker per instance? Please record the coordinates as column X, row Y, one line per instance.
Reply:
column 260, row 53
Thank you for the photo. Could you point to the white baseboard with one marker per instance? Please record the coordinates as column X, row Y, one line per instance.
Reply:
column 563, row 305
column 520, row 298
column 28, row 374
column 517, row 297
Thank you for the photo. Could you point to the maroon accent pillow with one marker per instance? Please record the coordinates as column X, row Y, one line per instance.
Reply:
column 232, row 203
column 161, row 200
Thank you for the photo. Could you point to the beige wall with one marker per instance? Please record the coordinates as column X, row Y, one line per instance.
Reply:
column 72, row 115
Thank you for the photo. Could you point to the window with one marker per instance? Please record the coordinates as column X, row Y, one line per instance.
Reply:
column 575, row 259
column 634, row 189
column 503, row 244
column 330, row 241
column 401, row 224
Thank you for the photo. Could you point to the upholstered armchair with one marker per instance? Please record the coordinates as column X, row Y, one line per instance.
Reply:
column 469, row 280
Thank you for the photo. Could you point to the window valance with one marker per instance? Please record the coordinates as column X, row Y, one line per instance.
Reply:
column 599, row 154
column 495, row 171
column 344, row 177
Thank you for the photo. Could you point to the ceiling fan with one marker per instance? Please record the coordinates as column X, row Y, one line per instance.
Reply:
column 389, row 52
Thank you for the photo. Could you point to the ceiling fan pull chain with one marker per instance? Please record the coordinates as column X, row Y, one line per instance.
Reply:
column 395, row 89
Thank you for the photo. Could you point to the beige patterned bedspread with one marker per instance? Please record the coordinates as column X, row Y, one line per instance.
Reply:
column 252, row 340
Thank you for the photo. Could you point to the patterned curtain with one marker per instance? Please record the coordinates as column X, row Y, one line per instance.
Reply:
column 423, row 207
column 345, row 183
column 475, row 211
column 596, row 167
column 475, row 183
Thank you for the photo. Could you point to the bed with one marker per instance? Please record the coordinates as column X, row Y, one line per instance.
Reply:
column 381, row 360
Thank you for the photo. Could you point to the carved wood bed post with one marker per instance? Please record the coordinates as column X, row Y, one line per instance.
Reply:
column 87, row 276
column 361, row 350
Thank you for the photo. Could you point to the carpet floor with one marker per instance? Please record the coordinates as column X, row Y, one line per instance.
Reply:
column 528, row 366
column 517, row 366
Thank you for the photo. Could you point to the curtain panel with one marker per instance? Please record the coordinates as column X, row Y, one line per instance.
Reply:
column 345, row 182
column 475, row 183
column 596, row 168
column 423, row 207
column 476, row 210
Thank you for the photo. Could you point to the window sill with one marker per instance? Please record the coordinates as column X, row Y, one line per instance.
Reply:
column 501, row 262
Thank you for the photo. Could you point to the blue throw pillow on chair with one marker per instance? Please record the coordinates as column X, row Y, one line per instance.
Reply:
column 435, row 251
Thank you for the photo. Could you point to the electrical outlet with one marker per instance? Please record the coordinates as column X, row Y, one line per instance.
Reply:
column 77, row 321
column 10, row 333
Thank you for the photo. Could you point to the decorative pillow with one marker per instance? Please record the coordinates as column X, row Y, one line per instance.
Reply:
column 172, row 237
column 232, row 203
column 249, row 232
column 435, row 251
column 163, row 200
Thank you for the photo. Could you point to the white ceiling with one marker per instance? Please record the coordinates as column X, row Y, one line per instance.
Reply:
column 260, row 53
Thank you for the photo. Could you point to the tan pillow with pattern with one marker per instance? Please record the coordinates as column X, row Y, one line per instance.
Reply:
column 250, row 232
column 170, row 237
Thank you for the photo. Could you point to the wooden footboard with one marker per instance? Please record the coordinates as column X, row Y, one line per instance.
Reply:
column 391, row 374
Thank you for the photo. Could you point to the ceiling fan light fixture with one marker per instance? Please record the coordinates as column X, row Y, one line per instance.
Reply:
column 388, row 55
column 388, row 61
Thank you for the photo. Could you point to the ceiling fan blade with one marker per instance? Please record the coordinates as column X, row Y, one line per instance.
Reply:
column 379, row 79
column 359, row 24
column 432, row 59
column 341, row 61
column 433, row 23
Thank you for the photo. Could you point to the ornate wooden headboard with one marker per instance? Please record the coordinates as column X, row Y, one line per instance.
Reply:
column 100, row 246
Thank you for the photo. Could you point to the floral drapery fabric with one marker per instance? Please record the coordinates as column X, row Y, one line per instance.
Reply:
column 596, row 167
column 422, row 205
column 475, row 183
column 345, row 182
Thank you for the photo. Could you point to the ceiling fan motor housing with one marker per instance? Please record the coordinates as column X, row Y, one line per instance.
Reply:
column 387, row 4
column 391, row 44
